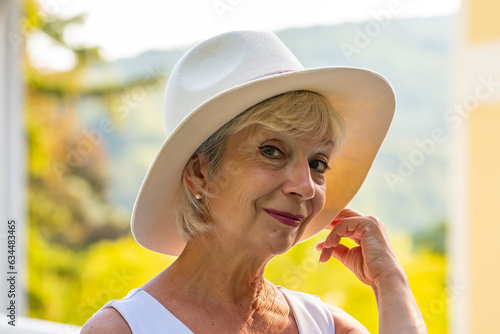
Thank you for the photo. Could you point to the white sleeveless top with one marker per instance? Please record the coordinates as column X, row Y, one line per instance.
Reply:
column 144, row 314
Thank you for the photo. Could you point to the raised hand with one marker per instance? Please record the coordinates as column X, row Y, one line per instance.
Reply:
column 373, row 258
column 374, row 262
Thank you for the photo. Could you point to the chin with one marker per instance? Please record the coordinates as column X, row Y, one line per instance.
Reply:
column 278, row 243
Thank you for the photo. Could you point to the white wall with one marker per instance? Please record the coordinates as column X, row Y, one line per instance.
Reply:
column 12, row 164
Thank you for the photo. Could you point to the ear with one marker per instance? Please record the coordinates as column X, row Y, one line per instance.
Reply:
column 196, row 174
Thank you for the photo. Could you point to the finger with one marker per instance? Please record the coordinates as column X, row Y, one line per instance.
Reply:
column 345, row 229
column 320, row 246
column 340, row 253
column 356, row 240
column 325, row 255
column 333, row 239
column 347, row 213
column 332, row 224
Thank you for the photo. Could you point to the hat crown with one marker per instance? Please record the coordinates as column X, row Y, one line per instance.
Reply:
column 221, row 63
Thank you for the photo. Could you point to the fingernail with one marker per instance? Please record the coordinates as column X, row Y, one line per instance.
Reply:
column 335, row 221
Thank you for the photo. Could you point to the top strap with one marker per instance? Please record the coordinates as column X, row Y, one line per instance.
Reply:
column 144, row 314
column 311, row 314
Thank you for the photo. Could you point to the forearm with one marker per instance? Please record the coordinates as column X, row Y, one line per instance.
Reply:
column 398, row 310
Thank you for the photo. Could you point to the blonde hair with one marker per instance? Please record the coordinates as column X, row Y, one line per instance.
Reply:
column 298, row 113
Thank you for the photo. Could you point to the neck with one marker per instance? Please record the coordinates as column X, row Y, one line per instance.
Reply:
column 221, row 271
column 225, row 278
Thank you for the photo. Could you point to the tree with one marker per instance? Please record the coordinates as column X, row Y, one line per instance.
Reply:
column 68, row 202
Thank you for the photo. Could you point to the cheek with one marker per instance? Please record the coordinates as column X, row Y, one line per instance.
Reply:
column 226, row 179
column 319, row 199
column 234, row 184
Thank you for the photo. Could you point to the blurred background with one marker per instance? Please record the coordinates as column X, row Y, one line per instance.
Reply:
column 81, row 95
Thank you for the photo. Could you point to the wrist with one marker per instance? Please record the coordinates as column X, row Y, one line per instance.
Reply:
column 393, row 283
column 398, row 310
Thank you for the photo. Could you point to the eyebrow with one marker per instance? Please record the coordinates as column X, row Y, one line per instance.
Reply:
column 322, row 145
column 329, row 144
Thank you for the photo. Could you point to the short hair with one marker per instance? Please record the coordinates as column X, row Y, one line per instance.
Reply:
column 299, row 113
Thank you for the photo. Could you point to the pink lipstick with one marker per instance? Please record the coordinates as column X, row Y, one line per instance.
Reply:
column 286, row 218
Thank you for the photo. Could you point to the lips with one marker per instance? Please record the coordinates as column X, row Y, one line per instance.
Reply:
column 286, row 218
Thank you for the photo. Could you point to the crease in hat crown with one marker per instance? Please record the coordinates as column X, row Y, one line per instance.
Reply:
column 221, row 63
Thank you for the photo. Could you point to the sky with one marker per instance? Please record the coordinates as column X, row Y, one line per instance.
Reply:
column 124, row 28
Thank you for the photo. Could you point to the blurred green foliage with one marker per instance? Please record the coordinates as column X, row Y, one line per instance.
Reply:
column 68, row 285
column 433, row 238
column 75, row 268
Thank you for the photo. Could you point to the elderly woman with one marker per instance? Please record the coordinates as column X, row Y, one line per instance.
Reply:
column 261, row 154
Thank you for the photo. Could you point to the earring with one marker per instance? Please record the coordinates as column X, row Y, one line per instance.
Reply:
column 197, row 196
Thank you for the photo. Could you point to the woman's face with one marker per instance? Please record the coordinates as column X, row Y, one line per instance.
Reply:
column 267, row 188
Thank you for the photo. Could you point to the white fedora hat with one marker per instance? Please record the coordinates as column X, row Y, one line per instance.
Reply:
column 221, row 77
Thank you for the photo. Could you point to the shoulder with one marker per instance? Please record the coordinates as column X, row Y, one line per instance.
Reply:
column 106, row 321
column 345, row 323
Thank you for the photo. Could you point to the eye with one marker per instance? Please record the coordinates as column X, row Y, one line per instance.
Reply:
column 271, row 152
column 319, row 165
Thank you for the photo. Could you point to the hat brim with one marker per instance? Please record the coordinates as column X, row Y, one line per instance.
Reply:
column 365, row 100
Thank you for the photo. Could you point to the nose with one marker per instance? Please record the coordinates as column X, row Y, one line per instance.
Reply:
column 299, row 181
